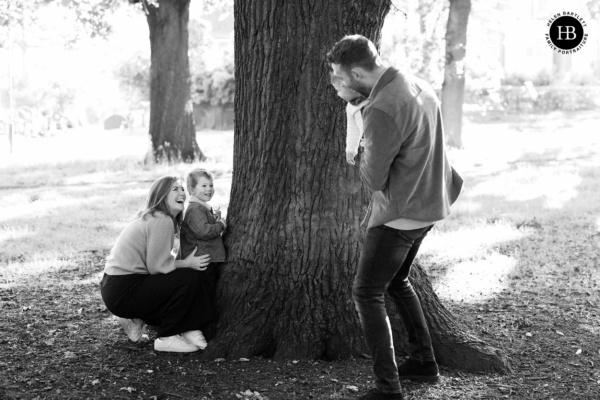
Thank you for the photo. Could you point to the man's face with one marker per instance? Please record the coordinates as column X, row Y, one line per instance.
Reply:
column 350, row 79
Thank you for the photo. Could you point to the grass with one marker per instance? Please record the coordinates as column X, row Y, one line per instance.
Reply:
column 516, row 261
column 76, row 191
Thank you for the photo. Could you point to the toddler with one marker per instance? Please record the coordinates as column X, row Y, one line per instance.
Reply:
column 201, row 227
column 354, row 121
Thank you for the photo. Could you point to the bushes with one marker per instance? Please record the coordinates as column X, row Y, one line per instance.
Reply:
column 527, row 98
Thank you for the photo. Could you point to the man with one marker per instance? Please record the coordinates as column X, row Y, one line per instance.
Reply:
column 405, row 164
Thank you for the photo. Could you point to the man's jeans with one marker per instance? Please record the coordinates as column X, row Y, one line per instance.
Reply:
column 385, row 260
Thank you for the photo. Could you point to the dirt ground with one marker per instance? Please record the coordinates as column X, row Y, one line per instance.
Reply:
column 59, row 342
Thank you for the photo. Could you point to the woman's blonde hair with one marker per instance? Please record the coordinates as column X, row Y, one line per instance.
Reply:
column 157, row 199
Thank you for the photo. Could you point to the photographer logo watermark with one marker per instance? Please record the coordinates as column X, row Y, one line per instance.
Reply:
column 566, row 32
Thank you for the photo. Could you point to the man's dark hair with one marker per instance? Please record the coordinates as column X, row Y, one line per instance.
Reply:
column 352, row 51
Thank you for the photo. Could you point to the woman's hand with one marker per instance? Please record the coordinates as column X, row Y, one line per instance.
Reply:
column 198, row 263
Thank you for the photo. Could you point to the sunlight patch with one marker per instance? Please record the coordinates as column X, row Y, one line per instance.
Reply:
column 10, row 232
column 523, row 184
column 14, row 271
column 467, row 243
column 38, row 203
column 476, row 281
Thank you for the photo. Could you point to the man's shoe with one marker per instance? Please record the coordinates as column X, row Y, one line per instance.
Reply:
column 419, row 371
column 174, row 344
column 133, row 328
column 375, row 394
column 196, row 338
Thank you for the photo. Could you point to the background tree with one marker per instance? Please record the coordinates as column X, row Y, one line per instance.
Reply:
column 294, row 234
column 172, row 129
column 454, row 74
column 171, row 122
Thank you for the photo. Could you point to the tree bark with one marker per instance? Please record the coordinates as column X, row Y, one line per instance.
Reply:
column 172, row 130
column 453, row 346
column 454, row 75
column 294, row 235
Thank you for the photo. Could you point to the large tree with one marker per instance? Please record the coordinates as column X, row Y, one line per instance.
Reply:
column 454, row 76
column 294, row 236
column 172, row 129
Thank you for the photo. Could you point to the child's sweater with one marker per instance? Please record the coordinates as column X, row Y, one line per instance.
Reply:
column 200, row 229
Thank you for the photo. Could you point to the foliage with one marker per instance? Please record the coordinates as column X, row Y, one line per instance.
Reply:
column 541, row 78
column 413, row 38
column 216, row 87
column 594, row 8
column 91, row 16
column 552, row 98
column 134, row 78
column 213, row 86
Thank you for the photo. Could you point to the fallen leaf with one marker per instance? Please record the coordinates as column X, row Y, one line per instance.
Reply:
column 578, row 352
column 352, row 388
column 560, row 333
column 244, row 360
column 96, row 382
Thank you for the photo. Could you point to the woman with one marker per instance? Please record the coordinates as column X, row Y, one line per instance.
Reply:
column 143, row 283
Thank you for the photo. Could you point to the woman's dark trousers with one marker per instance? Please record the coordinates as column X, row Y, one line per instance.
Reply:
column 177, row 302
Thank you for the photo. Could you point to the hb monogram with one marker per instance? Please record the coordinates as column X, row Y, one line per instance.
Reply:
column 569, row 32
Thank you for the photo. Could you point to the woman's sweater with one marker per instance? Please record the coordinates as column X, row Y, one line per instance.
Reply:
column 144, row 247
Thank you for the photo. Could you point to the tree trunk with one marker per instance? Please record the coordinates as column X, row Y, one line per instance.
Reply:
column 294, row 235
column 452, row 345
column 454, row 75
column 172, row 130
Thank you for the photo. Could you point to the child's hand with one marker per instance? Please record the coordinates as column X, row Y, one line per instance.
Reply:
column 222, row 222
column 350, row 157
column 217, row 213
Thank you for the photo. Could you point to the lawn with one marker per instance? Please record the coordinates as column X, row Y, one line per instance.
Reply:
column 516, row 261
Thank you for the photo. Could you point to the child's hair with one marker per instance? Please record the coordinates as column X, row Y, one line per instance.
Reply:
column 157, row 199
column 194, row 176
